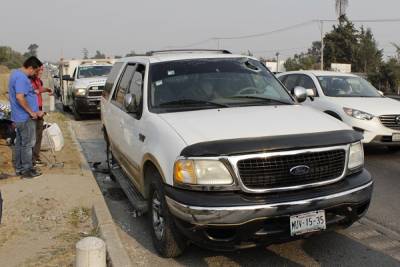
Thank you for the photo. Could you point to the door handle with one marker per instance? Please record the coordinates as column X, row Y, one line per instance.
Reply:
column 142, row 137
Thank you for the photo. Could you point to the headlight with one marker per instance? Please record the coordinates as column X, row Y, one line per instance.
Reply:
column 201, row 172
column 358, row 114
column 356, row 156
column 80, row 91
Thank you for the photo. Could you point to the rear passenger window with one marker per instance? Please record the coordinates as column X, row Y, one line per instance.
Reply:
column 111, row 79
column 123, row 85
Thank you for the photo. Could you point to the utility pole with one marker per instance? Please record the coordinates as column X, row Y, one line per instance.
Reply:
column 277, row 61
column 322, row 44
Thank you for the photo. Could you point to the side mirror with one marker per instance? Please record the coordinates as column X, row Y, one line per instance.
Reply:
column 311, row 94
column 130, row 103
column 67, row 78
column 381, row 93
column 300, row 93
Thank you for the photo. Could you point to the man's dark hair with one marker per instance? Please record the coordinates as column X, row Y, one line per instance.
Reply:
column 33, row 62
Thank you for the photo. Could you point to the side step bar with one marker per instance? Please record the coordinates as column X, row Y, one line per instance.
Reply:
column 137, row 200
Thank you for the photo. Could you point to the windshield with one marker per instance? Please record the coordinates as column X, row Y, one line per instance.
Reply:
column 213, row 83
column 93, row 71
column 347, row 86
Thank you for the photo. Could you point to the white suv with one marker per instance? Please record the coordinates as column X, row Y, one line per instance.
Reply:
column 220, row 154
column 353, row 100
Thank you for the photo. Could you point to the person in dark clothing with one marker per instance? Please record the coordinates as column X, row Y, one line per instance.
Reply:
column 37, row 85
column 24, row 112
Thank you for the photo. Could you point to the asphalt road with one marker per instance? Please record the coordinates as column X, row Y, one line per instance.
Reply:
column 373, row 242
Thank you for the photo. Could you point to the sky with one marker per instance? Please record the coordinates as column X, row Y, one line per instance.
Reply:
column 64, row 28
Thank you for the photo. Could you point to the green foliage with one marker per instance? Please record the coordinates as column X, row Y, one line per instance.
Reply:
column 32, row 51
column 85, row 53
column 387, row 78
column 305, row 61
column 346, row 44
column 10, row 58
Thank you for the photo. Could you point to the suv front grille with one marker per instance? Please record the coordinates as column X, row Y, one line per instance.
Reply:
column 274, row 172
column 95, row 92
column 391, row 121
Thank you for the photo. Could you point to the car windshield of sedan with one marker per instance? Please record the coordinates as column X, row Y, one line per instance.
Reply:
column 213, row 83
column 93, row 71
column 347, row 86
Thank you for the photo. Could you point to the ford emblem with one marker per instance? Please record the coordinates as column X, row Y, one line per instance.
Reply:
column 300, row 170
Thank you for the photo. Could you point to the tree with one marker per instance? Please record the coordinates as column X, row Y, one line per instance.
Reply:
column 397, row 51
column 368, row 56
column 10, row 58
column 85, row 53
column 303, row 61
column 341, row 43
column 99, row 55
column 341, row 6
column 32, row 51
column 387, row 78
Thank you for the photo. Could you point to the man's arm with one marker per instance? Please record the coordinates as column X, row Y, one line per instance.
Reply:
column 24, row 104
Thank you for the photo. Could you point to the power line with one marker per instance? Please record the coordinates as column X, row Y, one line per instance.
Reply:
column 266, row 33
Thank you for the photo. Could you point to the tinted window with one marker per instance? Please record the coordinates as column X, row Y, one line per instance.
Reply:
column 291, row 82
column 123, row 85
column 213, row 83
column 347, row 86
column 111, row 79
column 93, row 71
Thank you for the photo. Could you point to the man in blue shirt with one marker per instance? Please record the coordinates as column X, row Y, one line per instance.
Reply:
column 24, row 110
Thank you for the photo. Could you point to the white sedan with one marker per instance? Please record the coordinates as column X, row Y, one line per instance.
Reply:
column 353, row 100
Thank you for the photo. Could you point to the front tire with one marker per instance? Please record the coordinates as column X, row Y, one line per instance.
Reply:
column 77, row 116
column 110, row 160
column 167, row 239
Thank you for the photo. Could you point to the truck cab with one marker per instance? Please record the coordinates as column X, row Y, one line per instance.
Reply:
column 82, row 85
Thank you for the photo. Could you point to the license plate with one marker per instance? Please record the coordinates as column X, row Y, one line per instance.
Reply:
column 396, row 137
column 307, row 222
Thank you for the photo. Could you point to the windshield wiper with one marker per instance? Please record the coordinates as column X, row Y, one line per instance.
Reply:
column 192, row 102
column 264, row 99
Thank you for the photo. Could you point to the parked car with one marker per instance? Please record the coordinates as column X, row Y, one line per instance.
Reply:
column 82, row 84
column 219, row 154
column 352, row 100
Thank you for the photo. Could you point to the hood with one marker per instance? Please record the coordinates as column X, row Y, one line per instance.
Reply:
column 93, row 81
column 376, row 106
column 249, row 122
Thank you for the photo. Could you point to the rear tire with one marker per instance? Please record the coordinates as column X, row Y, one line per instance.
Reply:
column 77, row 116
column 167, row 239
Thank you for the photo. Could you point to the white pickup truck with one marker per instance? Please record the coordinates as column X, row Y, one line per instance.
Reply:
column 219, row 154
column 82, row 84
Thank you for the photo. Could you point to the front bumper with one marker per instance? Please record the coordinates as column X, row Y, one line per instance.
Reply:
column 373, row 131
column 236, row 220
column 87, row 105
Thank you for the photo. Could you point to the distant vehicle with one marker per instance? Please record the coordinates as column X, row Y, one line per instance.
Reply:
column 82, row 83
column 219, row 154
column 352, row 100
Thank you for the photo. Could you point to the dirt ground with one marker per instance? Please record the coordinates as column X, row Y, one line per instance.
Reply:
column 44, row 217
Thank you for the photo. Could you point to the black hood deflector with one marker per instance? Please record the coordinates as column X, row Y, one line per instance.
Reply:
column 268, row 144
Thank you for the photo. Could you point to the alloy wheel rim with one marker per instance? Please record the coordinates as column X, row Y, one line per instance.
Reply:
column 158, row 218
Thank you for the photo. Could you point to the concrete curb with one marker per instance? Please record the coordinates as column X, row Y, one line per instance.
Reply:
column 382, row 229
column 102, row 218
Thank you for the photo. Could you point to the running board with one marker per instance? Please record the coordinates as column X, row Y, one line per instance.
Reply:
column 137, row 200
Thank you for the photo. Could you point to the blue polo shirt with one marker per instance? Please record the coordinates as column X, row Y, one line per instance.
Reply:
column 20, row 84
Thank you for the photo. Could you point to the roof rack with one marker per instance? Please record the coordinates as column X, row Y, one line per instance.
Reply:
column 221, row 51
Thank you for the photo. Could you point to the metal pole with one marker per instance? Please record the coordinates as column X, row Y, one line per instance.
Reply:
column 277, row 61
column 322, row 44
